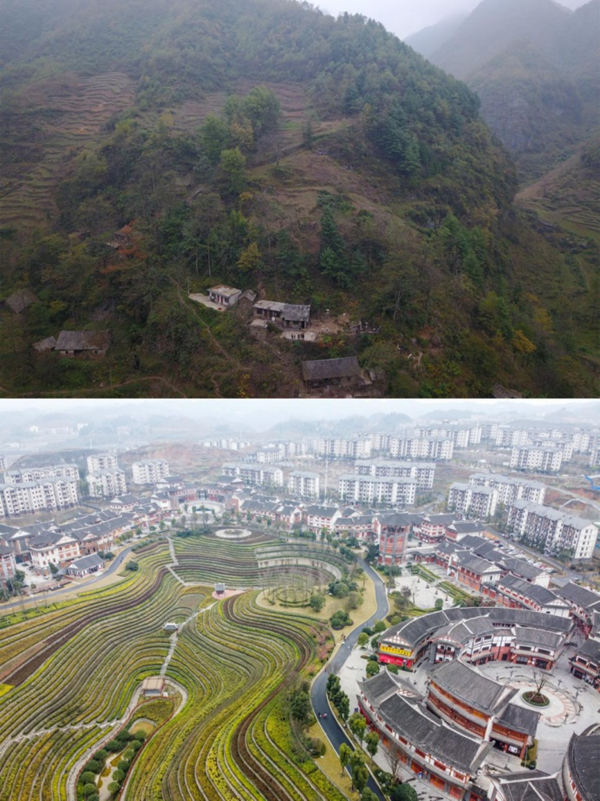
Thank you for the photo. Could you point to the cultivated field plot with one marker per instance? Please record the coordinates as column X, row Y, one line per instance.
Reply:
column 75, row 673
column 255, row 562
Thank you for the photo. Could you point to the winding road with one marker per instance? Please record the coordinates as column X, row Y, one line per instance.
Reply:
column 331, row 727
column 52, row 595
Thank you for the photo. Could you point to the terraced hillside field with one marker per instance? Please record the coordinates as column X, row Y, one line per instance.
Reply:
column 255, row 562
column 62, row 116
column 75, row 677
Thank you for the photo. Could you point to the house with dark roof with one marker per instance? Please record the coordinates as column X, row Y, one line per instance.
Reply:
column 320, row 372
column 581, row 766
column 437, row 753
column 513, row 591
column 85, row 565
column 585, row 664
column 480, row 706
column 582, row 602
column 8, row 566
column 92, row 343
column 530, row 785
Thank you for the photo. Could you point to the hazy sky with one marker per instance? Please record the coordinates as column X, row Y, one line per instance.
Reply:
column 404, row 17
column 261, row 414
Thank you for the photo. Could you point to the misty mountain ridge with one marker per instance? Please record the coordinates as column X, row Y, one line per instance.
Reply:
column 152, row 150
column 535, row 66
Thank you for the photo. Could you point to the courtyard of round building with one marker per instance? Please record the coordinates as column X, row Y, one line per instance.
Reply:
column 572, row 705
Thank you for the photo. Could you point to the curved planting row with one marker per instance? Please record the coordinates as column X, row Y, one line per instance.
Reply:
column 236, row 662
column 238, row 665
column 21, row 641
column 204, row 558
column 64, row 708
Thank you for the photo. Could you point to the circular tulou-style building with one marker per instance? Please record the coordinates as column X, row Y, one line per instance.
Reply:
column 445, row 734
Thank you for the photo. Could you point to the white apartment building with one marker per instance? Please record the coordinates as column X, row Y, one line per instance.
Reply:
column 304, row 484
column 545, row 459
column 552, row 529
column 102, row 463
column 510, row 489
column 421, row 472
column 257, row 474
column 149, row 471
column 370, row 489
column 49, row 494
column 416, row 447
column 473, row 500
column 107, row 485
column 338, row 448
column 105, row 478
column 29, row 475
column 581, row 441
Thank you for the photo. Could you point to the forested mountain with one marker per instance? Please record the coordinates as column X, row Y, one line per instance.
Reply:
column 535, row 66
column 153, row 149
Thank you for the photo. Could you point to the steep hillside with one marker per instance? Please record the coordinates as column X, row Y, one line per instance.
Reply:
column 153, row 149
column 535, row 66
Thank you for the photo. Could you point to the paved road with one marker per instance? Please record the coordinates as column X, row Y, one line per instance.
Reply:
column 330, row 726
column 49, row 596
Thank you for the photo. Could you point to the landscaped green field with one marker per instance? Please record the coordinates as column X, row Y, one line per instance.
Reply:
column 74, row 675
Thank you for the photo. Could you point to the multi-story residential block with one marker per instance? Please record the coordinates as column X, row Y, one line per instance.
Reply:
column 371, row 490
column 544, row 459
column 107, row 485
column 439, row 449
column 510, row 489
column 304, row 484
column 105, row 479
column 48, row 494
column 149, row 471
column 102, row 463
column 421, row 472
column 474, row 500
column 29, row 475
column 337, row 448
column 552, row 530
column 257, row 474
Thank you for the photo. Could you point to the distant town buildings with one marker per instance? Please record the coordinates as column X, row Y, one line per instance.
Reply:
column 304, row 484
column 552, row 530
column 468, row 499
column 36, row 489
column 149, row 471
column 105, row 478
column 249, row 473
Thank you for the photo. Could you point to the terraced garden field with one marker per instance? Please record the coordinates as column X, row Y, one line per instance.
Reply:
column 255, row 562
column 74, row 676
column 69, row 113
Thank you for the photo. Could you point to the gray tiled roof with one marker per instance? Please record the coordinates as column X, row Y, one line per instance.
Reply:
column 428, row 733
column 584, row 764
column 530, row 786
column 520, row 719
column 323, row 369
column 466, row 683
column 579, row 595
